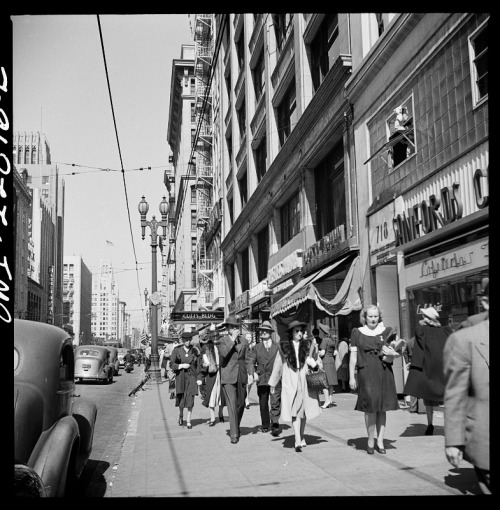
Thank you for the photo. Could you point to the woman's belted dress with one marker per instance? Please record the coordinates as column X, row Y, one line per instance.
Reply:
column 377, row 388
column 185, row 378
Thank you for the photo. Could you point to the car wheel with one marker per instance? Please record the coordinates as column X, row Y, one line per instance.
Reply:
column 27, row 482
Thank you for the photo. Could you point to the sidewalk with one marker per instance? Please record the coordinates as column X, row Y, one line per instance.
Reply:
column 162, row 459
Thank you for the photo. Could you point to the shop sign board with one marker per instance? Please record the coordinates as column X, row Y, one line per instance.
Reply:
column 197, row 317
column 382, row 238
column 445, row 265
column 284, row 268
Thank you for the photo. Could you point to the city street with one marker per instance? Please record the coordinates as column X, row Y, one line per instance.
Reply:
column 141, row 451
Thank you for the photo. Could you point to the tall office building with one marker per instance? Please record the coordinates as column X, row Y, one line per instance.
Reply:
column 105, row 304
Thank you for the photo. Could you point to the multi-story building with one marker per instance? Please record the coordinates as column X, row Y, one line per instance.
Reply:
column 22, row 241
column 77, row 293
column 105, row 299
column 32, row 152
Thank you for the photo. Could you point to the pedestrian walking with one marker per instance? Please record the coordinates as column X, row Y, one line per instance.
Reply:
column 467, row 396
column 251, row 344
column 426, row 377
column 263, row 356
column 298, row 403
column 184, row 362
column 209, row 374
column 342, row 363
column 377, row 389
column 233, row 349
column 327, row 352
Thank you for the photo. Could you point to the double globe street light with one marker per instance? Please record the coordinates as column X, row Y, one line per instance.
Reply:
column 154, row 369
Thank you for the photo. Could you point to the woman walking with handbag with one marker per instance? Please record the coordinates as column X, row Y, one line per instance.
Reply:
column 209, row 373
column 184, row 362
column 291, row 365
column 377, row 388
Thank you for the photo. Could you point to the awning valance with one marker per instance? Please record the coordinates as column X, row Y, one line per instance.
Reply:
column 345, row 301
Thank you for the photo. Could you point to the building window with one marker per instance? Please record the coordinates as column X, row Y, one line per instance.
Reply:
column 323, row 50
column 193, row 136
column 262, row 253
column 290, row 219
column 282, row 27
column 193, row 195
column 26, row 155
column 287, row 115
column 330, row 192
column 478, row 50
column 260, row 155
column 33, row 155
column 192, row 86
column 380, row 23
column 259, row 77
column 400, row 130
column 193, row 220
column 193, row 113
column 243, row 186
column 240, row 50
column 245, row 270
column 230, row 206
column 241, row 114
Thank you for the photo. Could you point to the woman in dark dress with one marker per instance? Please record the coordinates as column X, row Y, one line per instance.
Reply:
column 327, row 351
column 377, row 388
column 426, row 376
column 184, row 363
column 209, row 373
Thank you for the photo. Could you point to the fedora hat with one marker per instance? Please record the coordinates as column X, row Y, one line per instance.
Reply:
column 294, row 324
column 430, row 312
column 187, row 334
column 265, row 326
column 231, row 321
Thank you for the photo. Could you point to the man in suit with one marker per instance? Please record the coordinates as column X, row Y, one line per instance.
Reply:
column 236, row 361
column 478, row 317
column 263, row 356
column 467, row 396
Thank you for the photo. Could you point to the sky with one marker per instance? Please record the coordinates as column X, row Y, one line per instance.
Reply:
column 60, row 88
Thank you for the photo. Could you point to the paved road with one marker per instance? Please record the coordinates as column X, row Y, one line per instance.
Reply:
column 161, row 459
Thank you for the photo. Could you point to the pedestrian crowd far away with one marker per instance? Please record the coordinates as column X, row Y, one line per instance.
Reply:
column 450, row 368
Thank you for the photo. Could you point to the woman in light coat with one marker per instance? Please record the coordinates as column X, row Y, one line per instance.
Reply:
column 291, row 366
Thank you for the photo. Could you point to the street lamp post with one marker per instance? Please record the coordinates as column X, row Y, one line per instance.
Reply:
column 154, row 369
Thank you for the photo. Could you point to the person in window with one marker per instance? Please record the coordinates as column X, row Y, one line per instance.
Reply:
column 377, row 388
column 426, row 377
column 298, row 404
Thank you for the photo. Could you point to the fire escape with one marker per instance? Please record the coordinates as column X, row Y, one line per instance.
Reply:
column 203, row 37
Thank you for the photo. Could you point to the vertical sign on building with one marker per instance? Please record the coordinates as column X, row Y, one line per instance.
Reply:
column 50, row 301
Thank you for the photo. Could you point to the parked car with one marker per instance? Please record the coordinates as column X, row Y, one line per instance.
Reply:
column 92, row 362
column 121, row 354
column 113, row 359
column 53, row 430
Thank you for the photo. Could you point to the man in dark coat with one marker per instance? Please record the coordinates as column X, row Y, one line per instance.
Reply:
column 263, row 356
column 236, row 361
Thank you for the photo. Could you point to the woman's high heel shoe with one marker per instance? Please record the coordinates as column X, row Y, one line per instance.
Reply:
column 298, row 448
column 189, row 426
column 380, row 450
column 221, row 419
column 180, row 421
column 211, row 423
column 370, row 450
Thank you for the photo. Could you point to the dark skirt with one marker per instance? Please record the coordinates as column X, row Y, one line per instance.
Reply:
column 377, row 388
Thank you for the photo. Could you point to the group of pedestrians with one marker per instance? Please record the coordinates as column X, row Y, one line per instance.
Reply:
column 446, row 367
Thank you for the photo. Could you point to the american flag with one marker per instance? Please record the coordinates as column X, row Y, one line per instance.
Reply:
column 144, row 338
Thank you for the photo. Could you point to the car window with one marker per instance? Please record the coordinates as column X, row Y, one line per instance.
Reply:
column 89, row 352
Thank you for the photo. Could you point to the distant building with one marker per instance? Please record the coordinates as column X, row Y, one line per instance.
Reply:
column 77, row 294
column 105, row 298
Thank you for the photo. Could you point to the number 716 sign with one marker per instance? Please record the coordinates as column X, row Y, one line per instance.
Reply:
column 382, row 238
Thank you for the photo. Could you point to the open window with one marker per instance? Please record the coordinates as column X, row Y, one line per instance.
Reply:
column 401, row 134
column 478, row 54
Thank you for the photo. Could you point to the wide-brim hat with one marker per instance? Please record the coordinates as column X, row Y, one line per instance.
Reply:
column 294, row 324
column 231, row 321
column 265, row 326
column 485, row 287
column 187, row 334
column 430, row 312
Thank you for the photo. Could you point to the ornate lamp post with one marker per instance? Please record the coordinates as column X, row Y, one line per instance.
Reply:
column 154, row 369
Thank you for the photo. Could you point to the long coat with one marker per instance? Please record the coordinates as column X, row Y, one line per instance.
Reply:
column 467, row 394
column 185, row 378
column 263, row 362
column 236, row 360
column 290, row 379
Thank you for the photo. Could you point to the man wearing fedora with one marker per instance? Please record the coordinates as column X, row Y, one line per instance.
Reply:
column 263, row 356
column 235, row 365
column 483, row 298
column 467, row 396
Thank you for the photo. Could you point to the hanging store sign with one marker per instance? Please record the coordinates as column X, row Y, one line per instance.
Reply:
column 323, row 250
column 451, row 263
column 284, row 268
column 50, row 301
column 382, row 237
column 197, row 317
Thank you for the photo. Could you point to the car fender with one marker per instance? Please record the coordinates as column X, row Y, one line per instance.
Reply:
column 85, row 414
column 53, row 460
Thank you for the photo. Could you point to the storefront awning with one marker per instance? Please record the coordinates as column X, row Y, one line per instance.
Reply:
column 346, row 300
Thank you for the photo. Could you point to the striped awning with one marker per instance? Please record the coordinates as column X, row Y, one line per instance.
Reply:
column 345, row 301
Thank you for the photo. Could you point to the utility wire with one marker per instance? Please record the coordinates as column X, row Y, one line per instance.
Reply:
column 119, row 151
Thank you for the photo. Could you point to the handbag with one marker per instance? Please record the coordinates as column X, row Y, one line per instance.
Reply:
column 316, row 379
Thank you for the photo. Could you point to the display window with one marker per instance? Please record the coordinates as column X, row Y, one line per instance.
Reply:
column 454, row 299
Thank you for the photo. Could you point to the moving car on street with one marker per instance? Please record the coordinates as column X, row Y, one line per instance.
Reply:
column 53, row 431
column 92, row 362
column 121, row 354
